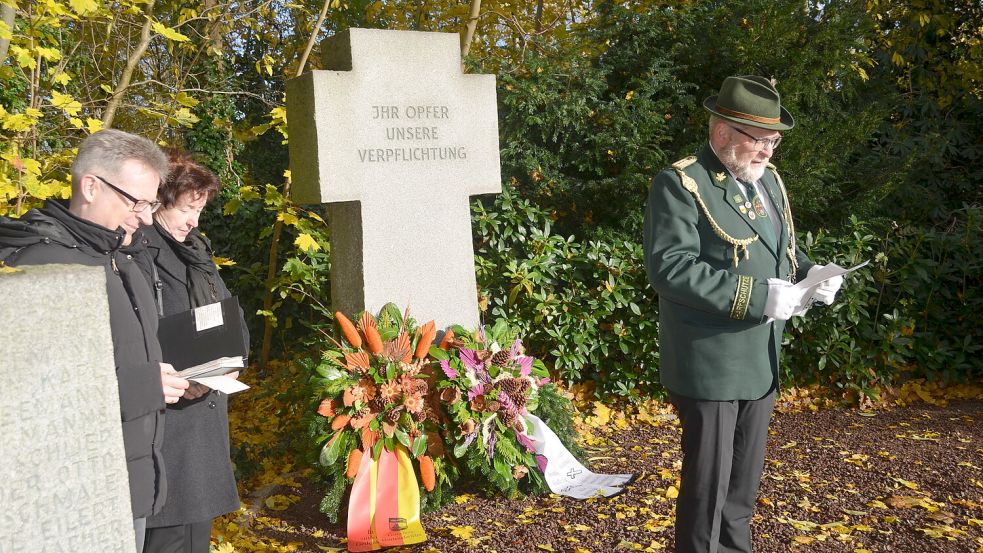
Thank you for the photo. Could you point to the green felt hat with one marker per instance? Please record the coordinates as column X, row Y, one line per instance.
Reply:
column 750, row 100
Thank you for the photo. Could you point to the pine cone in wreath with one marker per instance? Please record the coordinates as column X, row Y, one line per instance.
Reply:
column 501, row 359
column 517, row 389
column 511, row 387
column 377, row 404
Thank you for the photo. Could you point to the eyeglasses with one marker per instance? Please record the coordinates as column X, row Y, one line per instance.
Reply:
column 760, row 143
column 138, row 204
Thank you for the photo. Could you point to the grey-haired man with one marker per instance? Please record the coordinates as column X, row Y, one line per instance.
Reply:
column 114, row 190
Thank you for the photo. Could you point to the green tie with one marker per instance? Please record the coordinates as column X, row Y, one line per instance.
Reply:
column 757, row 201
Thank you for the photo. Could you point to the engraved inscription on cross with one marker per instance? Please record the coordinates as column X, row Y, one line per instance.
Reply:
column 395, row 138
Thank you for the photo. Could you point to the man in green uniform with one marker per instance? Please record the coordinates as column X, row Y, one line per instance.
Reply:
column 720, row 251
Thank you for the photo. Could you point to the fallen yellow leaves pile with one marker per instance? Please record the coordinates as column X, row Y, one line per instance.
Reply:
column 263, row 425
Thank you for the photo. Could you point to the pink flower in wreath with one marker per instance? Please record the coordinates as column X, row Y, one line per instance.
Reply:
column 445, row 365
column 523, row 439
column 477, row 391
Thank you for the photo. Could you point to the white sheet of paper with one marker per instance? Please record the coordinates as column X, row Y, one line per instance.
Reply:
column 208, row 316
column 826, row 273
column 564, row 474
column 222, row 383
column 807, row 287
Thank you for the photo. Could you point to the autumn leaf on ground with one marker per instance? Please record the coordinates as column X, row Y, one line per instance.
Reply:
column 462, row 532
column 906, row 483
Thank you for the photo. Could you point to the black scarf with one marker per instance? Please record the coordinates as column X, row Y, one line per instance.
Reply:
column 202, row 274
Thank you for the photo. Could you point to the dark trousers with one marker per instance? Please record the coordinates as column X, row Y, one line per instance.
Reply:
column 723, row 457
column 184, row 538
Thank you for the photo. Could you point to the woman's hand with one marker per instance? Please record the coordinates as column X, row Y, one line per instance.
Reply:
column 195, row 390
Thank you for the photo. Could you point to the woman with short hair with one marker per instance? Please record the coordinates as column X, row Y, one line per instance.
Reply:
column 177, row 260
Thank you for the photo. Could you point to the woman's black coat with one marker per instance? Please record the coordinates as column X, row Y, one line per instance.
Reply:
column 196, row 439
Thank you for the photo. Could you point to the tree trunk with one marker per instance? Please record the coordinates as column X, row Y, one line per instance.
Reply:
column 215, row 17
column 311, row 41
column 7, row 15
column 472, row 23
column 539, row 16
column 264, row 355
column 131, row 65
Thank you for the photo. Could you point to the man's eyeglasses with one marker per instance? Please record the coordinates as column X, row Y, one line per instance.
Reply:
column 138, row 204
column 760, row 143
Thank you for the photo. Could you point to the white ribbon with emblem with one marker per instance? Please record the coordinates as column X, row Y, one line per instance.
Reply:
column 564, row 474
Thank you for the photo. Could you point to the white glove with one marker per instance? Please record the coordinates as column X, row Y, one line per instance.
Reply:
column 827, row 289
column 783, row 301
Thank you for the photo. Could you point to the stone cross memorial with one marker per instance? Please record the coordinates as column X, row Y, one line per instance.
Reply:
column 395, row 138
column 63, row 480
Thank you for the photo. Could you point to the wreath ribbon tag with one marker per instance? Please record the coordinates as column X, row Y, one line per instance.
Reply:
column 563, row 472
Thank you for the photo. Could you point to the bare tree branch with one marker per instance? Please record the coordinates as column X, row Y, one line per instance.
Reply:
column 131, row 65
column 472, row 23
column 313, row 39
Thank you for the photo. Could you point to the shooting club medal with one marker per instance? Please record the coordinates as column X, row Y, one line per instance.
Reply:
column 759, row 208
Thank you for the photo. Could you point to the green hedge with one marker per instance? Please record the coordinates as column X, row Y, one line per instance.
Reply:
column 913, row 313
column 586, row 305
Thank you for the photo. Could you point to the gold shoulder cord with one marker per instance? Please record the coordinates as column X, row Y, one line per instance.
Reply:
column 787, row 215
column 740, row 244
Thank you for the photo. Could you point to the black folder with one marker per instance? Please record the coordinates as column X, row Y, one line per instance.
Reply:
column 185, row 346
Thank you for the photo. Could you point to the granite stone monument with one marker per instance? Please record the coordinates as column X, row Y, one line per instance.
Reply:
column 395, row 138
column 63, row 479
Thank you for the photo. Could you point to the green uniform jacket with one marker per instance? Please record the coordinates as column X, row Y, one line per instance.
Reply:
column 713, row 340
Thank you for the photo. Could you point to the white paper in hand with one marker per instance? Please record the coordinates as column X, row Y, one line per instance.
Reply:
column 221, row 383
column 807, row 286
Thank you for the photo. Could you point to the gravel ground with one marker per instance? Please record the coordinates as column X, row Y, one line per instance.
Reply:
column 904, row 480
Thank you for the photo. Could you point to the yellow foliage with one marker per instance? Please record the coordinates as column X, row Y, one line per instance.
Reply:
column 19, row 122
column 23, row 56
column 183, row 117
column 288, row 217
column 906, row 483
column 65, row 102
column 462, row 532
column 185, row 99
column 168, row 32
column 48, row 54
column 83, row 7
column 306, row 242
